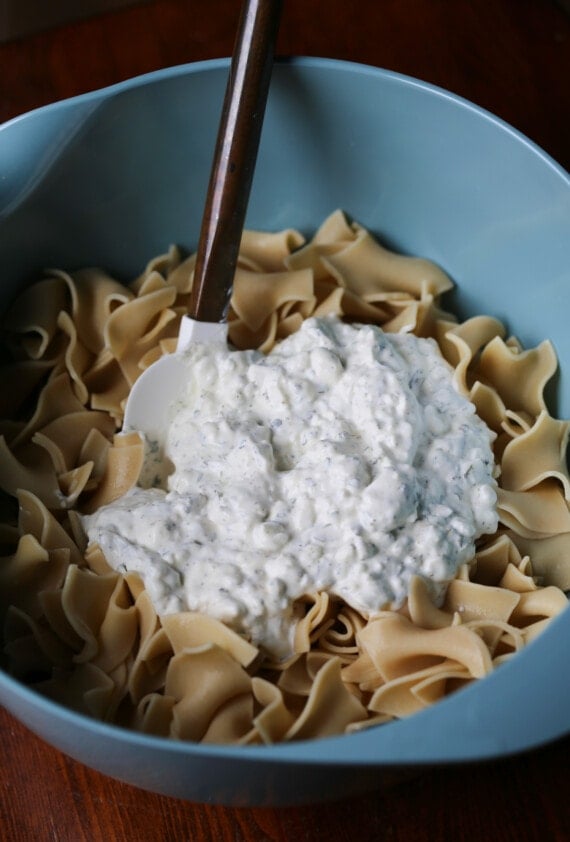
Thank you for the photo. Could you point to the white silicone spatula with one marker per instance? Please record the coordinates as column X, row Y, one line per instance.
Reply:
column 224, row 214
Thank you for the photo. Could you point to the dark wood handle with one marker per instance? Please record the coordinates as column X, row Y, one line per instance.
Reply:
column 234, row 159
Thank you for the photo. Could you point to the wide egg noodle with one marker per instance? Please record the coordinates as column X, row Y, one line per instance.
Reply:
column 549, row 557
column 29, row 466
column 298, row 673
column 519, row 578
column 28, row 571
column 257, row 295
column 71, row 433
column 188, row 629
column 314, row 623
column 230, row 721
column 518, row 377
column 340, row 637
column 117, row 633
column 344, row 303
column 397, row 647
column 85, row 601
column 491, row 561
column 367, row 268
column 409, row 694
column 421, row 608
column 330, row 706
column 137, row 326
column 30, row 324
column 460, row 345
column 541, row 603
column 107, row 386
column 202, row 681
column 56, row 399
column 334, row 233
column 474, row 601
column 90, row 638
column 122, row 468
column 56, row 619
column 274, row 719
column 164, row 266
column 537, row 454
column 76, row 359
column 94, row 295
column 154, row 715
column 267, row 251
column 263, row 339
column 35, row 519
column 539, row 512
column 148, row 672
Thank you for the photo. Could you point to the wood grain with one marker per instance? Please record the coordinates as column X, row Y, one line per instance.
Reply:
column 509, row 56
column 46, row 796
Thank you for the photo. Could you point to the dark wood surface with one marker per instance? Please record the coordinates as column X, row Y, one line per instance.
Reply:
column 509, row 56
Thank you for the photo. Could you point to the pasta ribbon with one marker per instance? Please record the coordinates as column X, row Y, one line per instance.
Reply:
column 202, row 681
column 188, row 630
column 90, row 638
column 396, row 646
column 330, row 707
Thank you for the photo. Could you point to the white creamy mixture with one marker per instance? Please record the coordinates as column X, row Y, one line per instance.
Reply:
column 344, row 461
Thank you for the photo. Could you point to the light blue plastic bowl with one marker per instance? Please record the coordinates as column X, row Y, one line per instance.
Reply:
column 113, row 177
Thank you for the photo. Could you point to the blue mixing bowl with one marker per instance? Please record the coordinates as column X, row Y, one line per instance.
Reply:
column 113, row 177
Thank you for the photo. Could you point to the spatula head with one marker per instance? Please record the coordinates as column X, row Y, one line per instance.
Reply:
column 157, row 387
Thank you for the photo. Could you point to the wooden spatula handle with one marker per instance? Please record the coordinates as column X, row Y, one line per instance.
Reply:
column 234, row 159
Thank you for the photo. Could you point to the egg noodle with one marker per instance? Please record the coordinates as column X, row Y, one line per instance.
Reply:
column 89, row 637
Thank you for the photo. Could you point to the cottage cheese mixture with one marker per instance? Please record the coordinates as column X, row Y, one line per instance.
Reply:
column 344, row 461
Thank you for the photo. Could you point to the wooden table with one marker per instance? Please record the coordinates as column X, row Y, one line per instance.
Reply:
column 510, row 56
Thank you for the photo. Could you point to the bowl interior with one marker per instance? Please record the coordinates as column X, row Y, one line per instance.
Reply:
column 113, row 178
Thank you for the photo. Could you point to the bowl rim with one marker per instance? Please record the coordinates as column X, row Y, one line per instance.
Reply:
column 409, row 741
column 303, row 61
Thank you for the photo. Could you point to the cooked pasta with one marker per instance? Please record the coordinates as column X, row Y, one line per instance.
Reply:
column 90, row 638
